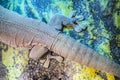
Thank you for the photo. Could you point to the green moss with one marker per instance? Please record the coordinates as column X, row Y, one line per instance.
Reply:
column 85, row 73
column 48, row 16
column 104, row 32
column 90, row 28
column 87, row 6
column 33, row 10
column 10, row 5
column 117, row 16
column 117, row 20
column 118, row 40
column 22, row 7
column 104, row 4
column 110, row 77
column 105, row 48
column 61, row 6
column 64, row 6
column 105, row 45
column 14, row 61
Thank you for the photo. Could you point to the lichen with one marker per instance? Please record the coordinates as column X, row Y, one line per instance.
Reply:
column 117, row 20
column 61, row 5
column 110, row 77
column 117, row 15
column 118, row 40
column 33, row 10
column 103, row 4
column 85, row 73
column 15, row 60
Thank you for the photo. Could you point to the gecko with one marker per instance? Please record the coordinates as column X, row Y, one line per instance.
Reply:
column 39, row 37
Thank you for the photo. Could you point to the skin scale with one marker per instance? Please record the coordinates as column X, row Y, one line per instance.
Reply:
column 20, row 32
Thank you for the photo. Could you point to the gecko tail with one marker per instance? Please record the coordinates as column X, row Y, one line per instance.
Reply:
column 75, row 51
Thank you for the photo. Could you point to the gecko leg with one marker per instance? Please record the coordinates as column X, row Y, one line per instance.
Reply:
column 37, row 52
column 59, row 21
column 56, row 22
column 79, row 27
column 49, row 57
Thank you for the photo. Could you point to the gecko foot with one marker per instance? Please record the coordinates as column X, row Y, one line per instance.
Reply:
column 37, row 52
column 59, row 21
column 49, row 57
column 79, row 26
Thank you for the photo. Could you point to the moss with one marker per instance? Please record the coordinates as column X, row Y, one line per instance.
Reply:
column 110, row 77
column 103, row 4
column 61, row 5
column 90, row 28
column 117, row 16
column 117, row 20
column 33, row 10
column 105, row 48
column 22, row 8
column 104, row 33
column 118, row 40
column 15, row 61
column 85, row 73
column 10, row 6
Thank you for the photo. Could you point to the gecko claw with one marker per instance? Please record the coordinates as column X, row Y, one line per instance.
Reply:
column 79, row 28
column 49, row 57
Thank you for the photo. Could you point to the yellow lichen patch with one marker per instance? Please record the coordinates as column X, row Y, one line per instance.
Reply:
column 67, row 31
column 64, row 6
column 90, row 28
column 117, row 16
column 110, row 77
column 105, row 48
column 15, row 60
column 117, row 20
column 104, row 32
column 105, row 45
column 79, row 72
column 118, row 40
column 85, row 73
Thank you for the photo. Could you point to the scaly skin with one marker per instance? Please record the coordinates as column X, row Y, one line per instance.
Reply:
column 21, row 32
